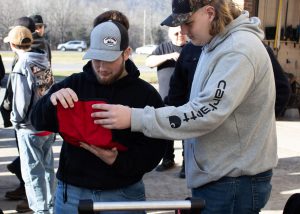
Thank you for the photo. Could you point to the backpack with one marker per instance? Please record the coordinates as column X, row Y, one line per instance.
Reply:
column 44, row 79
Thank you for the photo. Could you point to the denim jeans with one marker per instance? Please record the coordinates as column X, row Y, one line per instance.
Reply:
column 37, row 167
column 135, row 192
column 240, row 195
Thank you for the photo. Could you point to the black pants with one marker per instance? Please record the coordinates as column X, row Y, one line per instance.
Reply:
column 169, row 153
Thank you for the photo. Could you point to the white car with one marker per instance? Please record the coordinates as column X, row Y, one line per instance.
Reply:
column 72, row 45
column 147, row 49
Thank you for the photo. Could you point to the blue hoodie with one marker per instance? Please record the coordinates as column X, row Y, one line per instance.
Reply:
column 229, row 121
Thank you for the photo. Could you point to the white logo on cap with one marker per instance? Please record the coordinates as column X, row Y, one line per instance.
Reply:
column 110, row 41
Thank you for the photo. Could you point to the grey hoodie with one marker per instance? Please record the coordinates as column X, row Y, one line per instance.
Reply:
column 31, row 78
column 229, row 122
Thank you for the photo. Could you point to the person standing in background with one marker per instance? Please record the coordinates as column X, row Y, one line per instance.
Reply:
column 38, row 37
column 164, row 57
column 6, row 108
column 181, row 82
column 30, row 79
column 2, row 70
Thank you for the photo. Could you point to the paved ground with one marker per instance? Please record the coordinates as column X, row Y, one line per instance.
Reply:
column 167, row 185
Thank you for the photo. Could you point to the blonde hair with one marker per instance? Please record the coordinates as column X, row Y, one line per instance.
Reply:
column 226, row 12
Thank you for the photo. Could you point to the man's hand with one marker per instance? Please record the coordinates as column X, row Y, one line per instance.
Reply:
column 173, row 56
column 65, row 96
column 112, row 116
column 106, row 155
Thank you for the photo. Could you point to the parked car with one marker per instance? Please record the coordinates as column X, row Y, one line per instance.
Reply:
column 147, row 49
column 72, row 45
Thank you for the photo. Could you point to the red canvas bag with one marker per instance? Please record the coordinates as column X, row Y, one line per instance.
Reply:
column 76, row 125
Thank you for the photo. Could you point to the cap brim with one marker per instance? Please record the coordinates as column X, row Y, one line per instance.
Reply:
column 175, row 20
column 103, row 55
column 168, row 21
column 41, row 24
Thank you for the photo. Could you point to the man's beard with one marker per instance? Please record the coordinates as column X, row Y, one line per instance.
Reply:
column 113, row 78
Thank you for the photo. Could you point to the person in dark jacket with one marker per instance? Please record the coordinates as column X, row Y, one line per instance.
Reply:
column 164, row 57
column 181, row 82
column 92, row 172
column 283, row 89
column 2, row 69
column 39, row 41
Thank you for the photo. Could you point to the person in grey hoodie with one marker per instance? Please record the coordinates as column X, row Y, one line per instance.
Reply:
column 229, row 121
column 31, row 78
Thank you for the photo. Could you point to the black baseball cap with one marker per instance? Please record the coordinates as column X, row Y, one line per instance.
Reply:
column 25, row 22
column 182, row 10
column 38, row 20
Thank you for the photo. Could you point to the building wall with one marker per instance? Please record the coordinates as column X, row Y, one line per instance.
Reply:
column 288, row 53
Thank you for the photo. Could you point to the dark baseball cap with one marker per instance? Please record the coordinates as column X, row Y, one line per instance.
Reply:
column 25, row 22
column 182, row 10
column 108, row 41
column 38, row 20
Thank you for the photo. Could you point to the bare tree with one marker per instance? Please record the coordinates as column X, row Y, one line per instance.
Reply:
column 73, row 19
column 8, row 14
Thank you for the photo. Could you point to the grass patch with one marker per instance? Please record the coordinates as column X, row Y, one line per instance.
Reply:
column 150, row 77
column 139, row 59
column 64, row 73
column 75, row 57
column 66, row 57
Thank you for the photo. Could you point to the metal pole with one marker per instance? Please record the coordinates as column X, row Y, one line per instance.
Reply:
column 88, row 206
column 278, row 28
column 285, row 21
column 144, row 35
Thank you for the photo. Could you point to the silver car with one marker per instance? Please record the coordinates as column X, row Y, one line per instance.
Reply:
column 72, row 45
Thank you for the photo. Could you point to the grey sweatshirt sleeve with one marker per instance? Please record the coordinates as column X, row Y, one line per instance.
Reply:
column 22, row 91
column 212, row 100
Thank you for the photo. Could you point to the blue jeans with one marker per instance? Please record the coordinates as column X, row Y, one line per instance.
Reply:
column 135, row 192
column 37, row 168
column 244, row 194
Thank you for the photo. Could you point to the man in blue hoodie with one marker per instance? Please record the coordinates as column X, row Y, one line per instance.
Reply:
column 31, row 78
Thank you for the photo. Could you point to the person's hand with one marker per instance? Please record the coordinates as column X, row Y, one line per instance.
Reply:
column 106, row 155
column 65, row 96
column 112, row 116
column 174, row 56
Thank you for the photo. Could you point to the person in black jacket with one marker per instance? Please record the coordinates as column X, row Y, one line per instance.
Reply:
column 38, row 36
column 283, row 89
column 164, row 57
column 2, row 69
column 181, row 82
column 89, row 171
